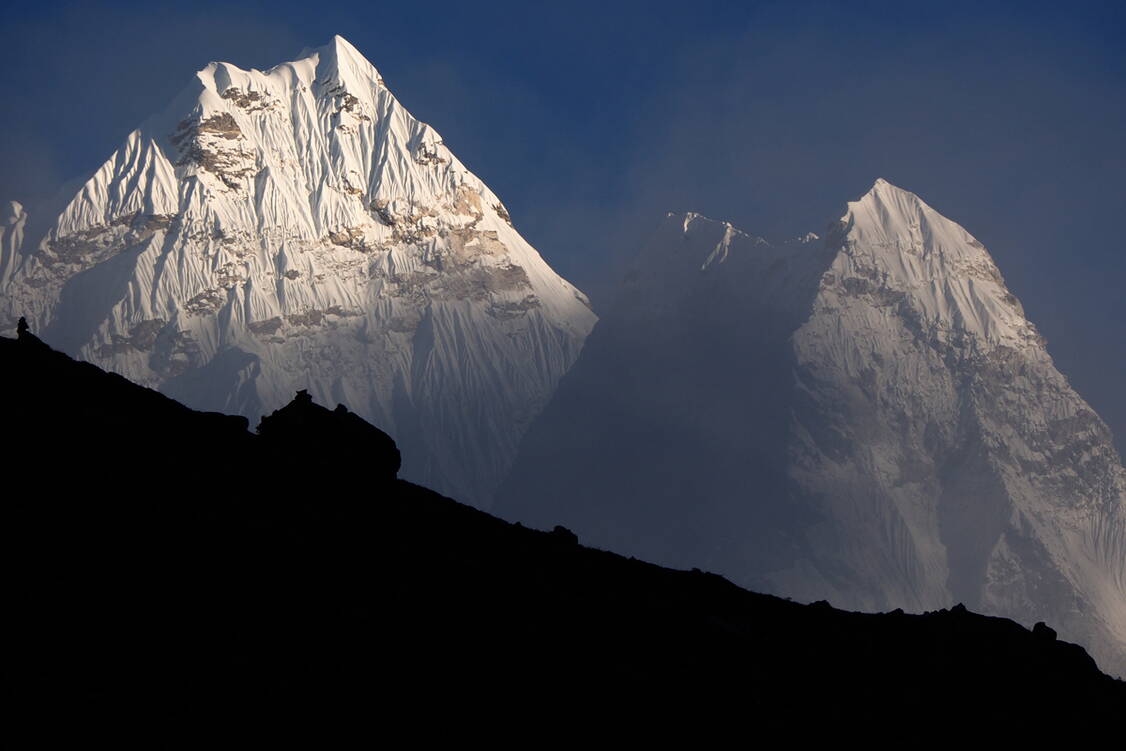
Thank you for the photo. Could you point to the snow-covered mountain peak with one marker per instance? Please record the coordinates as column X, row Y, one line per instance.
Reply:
column 869, row 420
column 888, row 206
column 890, row 249
column 898, row 251
column 895, row 221
column 338, row 62
column 298, row 228
column 335, row 65
column 338, row 51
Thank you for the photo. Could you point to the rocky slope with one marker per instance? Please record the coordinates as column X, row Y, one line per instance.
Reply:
column 298, row 229
column 868, row 419
column 322, row 582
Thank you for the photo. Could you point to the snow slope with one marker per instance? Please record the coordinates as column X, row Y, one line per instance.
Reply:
column 298, row 229
column 868, row 419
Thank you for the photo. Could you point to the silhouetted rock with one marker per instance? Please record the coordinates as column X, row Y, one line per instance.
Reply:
column 1044, row 632
column 26, row 338
column 330, row 439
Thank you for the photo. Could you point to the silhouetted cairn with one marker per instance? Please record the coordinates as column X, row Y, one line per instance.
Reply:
column 312, row 434
column 26, row 338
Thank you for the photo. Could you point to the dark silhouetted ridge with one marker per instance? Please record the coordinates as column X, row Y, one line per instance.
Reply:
column 162, row 558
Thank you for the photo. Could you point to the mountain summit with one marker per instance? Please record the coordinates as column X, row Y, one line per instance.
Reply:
column 867, row 418
column 298, row 229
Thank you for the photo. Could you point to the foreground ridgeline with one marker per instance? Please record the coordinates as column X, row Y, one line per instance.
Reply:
column 167, row 556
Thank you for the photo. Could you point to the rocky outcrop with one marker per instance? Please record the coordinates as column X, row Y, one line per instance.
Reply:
column 327, row 439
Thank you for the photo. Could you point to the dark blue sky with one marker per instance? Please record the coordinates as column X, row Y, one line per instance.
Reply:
column 592, row 119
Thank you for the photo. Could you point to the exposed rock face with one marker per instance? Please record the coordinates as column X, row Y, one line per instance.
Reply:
column 298, row 229
column 868, row 419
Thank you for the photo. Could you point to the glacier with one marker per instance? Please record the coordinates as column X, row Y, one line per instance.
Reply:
column 866, row 417
column 297, row 228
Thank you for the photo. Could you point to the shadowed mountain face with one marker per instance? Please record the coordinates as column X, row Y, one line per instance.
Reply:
column 167, row 557
column 866, row 418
